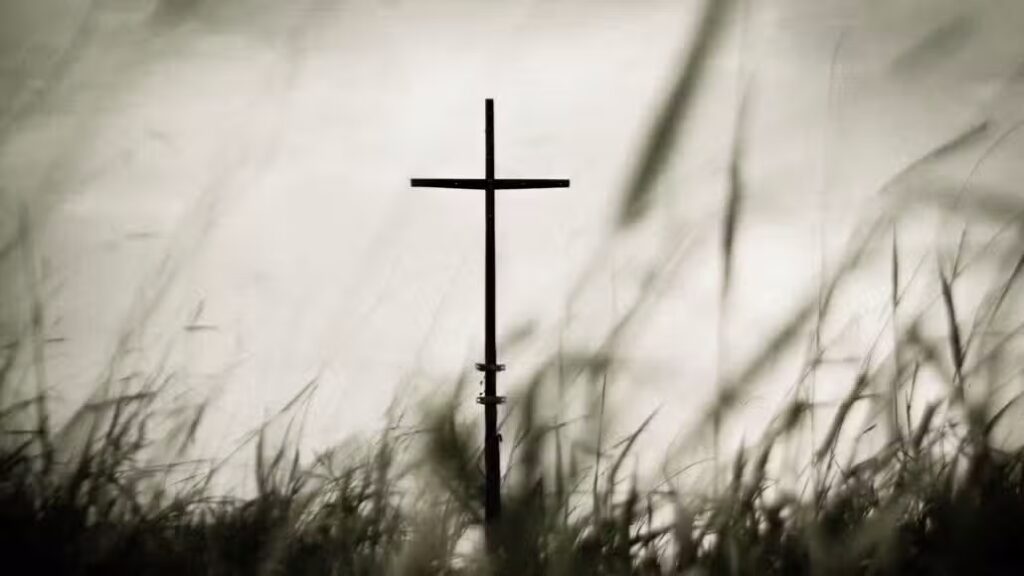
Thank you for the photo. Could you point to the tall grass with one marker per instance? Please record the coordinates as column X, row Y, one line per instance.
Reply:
column 942, row 494
column 112, row 490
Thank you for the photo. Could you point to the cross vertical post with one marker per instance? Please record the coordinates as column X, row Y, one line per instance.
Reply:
column 492, row 453
column 490, row 366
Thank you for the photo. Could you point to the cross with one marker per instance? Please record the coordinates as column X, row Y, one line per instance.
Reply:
column 490, row 366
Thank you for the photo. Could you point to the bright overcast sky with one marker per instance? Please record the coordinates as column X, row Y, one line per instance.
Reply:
column 242, row 168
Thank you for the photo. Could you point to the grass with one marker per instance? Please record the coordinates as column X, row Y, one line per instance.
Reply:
column 112, row 490
column 940, row 496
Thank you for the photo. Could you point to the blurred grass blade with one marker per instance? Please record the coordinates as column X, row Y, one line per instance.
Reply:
column 956, row 350
column 832, row 437
column 734, row 196
column 671, row 118
column 963, row 140
column 937, row 46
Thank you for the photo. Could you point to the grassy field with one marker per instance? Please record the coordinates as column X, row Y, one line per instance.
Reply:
column 113, row 490
column 939, row 497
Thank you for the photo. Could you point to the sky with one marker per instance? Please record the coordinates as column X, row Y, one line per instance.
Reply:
column 221, row 189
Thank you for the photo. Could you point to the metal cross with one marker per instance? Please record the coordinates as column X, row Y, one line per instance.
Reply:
column 490, row 367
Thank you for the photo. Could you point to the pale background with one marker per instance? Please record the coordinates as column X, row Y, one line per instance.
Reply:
column 222, row 187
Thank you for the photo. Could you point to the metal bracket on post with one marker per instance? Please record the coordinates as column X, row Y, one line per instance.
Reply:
column 481, row 399
column 490, row 368
column 484, row 367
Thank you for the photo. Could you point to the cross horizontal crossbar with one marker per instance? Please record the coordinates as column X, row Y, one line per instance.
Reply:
column 484, row 184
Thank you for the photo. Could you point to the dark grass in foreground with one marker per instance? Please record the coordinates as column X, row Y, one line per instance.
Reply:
column 938, row 498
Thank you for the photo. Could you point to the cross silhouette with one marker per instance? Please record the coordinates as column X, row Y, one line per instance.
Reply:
column 490, row 366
